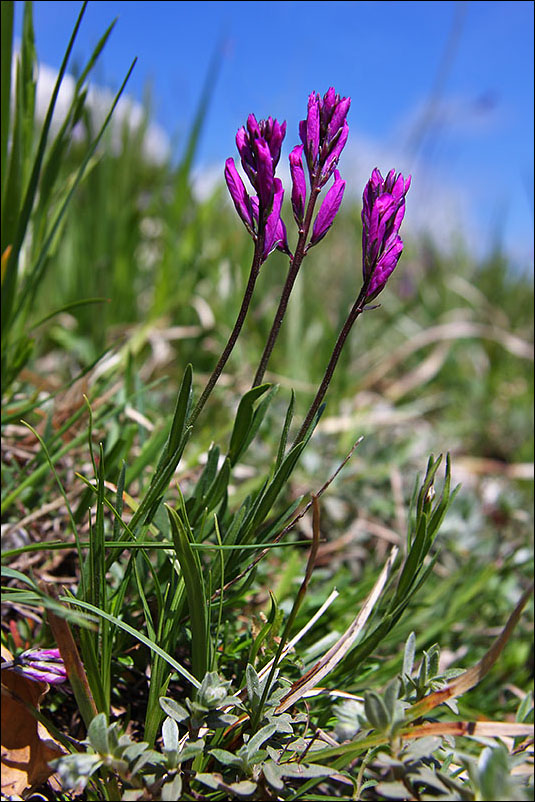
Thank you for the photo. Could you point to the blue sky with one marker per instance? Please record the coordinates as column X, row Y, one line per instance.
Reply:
column 443, row 90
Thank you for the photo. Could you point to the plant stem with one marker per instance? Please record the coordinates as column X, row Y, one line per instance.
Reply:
column 295, row 264
column 356, row 310
column 253, row 275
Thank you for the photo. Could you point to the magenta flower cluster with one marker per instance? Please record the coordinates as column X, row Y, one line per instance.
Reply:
column 259, row 145
column 324, row 133
column 323, row 136
column 383, row 210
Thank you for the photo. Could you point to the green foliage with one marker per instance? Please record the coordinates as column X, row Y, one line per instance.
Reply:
column 34, row 199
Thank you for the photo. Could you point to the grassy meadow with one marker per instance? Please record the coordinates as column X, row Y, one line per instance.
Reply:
column 174, row 563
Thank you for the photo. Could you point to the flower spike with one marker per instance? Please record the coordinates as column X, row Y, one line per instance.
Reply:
column 382, row 214
column 324, row 134
column 259, row 145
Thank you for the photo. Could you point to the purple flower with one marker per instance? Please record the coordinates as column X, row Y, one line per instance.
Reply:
column 382, row 214
column 328, row 209
column 324, row 134
column 259, row 145
column 40, row 665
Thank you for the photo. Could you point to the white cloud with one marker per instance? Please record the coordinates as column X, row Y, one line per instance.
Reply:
column 156, row 143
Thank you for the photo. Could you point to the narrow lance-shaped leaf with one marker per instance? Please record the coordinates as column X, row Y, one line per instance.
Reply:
column 193, row 579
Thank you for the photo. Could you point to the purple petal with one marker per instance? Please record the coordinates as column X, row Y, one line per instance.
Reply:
column 238, row 193
column 384, row 269
column 303, row 132
column 328, row 209
column 299, row 187
column 42, row 665
column 275, row 141
column 253, row 127
column 274, row 232
column 329, row 101
column 244, row 149
column 280, row 235
column 332, row 160
column 382, row 214
column 42, row 654
column 313, row 129
column 264, row 173
column 339, row 117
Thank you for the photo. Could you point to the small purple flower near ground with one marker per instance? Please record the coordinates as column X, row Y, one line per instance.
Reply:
column 40, row 665
column 382, row 214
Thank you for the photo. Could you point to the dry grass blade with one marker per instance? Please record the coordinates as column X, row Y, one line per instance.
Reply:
column 302, row 632
column 337, row 652
column 73, row 664
column 473, row 675
column 478, row 729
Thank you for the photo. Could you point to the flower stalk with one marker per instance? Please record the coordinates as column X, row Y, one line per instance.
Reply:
column 382, row 214
column 259, row 145
column 216, row 373
column 323, row 135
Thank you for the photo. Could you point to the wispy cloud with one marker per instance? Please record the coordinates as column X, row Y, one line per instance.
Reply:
column 156, row 143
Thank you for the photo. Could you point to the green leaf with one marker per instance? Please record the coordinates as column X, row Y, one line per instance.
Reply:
column 391, row 695
column 265, row 501
column 265, row 630
column 285, row 429
column 170, row 735
column 22, row 211
column 242, row 432
column 304, row 770
column 408, row 655
column 225, row 757
column 98, row 734
column 6, row 42
column 258, row 739
column 191, row 750
column 376, row 711
column 173, row 709
column 413, row 562
column 494, row 774
column 190, row 565
column 171, row 791
column 273, row 774
column 138, row 635
column 253, row 684
column 178, row 424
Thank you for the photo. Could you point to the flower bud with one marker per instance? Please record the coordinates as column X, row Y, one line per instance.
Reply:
column 382, row 214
